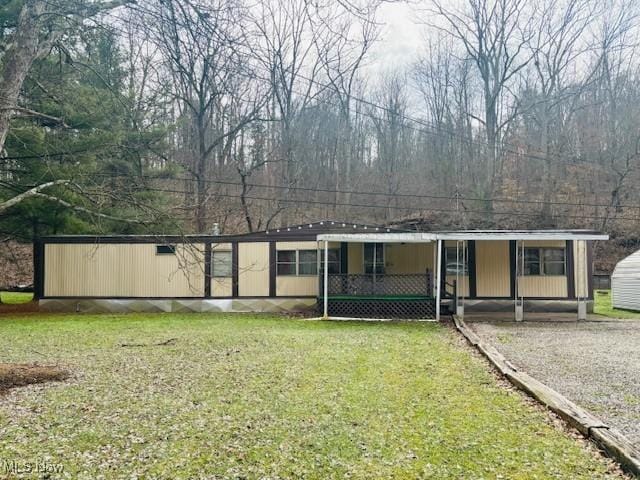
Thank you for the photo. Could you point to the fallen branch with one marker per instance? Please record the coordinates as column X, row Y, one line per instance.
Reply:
column 77, row 208
column 27, row 112
column 35, row 191
column 171, row 341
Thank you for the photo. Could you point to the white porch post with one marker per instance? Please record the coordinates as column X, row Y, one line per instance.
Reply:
column 438, row 277
column 326, row 279
column 519, row 299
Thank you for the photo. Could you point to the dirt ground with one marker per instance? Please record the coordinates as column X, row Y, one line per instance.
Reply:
column 19, row 375
column 596, row 364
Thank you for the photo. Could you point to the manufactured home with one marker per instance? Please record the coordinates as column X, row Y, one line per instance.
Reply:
column 337, row 269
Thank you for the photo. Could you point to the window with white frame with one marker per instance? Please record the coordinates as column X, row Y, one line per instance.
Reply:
column 221, row 264
column 550, row 261
column 297, row 262
column 307, row 262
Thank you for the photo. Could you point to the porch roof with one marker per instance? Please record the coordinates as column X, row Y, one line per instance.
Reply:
column 423, row 237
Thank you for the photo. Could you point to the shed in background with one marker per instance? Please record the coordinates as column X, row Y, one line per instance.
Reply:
column 625, row 283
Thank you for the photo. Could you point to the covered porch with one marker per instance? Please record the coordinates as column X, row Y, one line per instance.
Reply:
column 421, row 275
column 380, row 276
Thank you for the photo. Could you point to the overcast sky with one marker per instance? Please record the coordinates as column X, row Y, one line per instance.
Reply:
column 401, row 38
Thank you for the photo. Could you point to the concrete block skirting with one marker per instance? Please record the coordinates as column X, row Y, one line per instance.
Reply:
column 612, row 442
column 533, row 306
column 240, row 305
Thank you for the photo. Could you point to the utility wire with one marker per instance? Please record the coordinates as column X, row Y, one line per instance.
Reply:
column 415, row 208
column 372, row 193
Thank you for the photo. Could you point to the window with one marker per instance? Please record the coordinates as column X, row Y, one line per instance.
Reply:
column 296, row 262
column 286, row 262
column 221, row 264
column 307, row 262
column 165, row 249
column 456, row 264
column 334, row 262
column 531, row 261
column 554, row 261
column 543, row 261
column 374, row 258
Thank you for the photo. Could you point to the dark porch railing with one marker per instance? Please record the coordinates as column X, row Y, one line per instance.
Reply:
column 418, row 284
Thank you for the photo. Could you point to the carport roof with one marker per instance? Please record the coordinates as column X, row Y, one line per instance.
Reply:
column 423, row 237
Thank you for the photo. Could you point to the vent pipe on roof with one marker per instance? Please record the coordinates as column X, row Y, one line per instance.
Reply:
column 216, row 229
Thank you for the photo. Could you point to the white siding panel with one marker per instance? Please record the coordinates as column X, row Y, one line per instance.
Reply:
column 625, row 283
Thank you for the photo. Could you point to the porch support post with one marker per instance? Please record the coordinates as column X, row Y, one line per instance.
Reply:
column 438, row 278
column 326, row 279
column 519, row 272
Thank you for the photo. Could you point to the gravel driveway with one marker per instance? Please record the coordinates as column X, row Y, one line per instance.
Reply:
column 595, row 364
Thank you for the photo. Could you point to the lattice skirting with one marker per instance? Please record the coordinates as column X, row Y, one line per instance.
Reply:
column 112, row 305
column 380, row 308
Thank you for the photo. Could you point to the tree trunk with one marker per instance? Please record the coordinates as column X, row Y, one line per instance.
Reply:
column 491, row 121
column 201, row 176
column 17, row 62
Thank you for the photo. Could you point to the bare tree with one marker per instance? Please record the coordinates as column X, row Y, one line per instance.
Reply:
column 494, row 35
column 204, row 51
column 342, row 61
column 287, row 45
column 557, row 47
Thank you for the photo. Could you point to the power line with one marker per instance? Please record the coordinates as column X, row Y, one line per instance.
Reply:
column 374, row 193
column 394, row 207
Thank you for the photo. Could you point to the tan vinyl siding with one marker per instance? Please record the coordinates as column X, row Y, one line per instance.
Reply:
column 123, row 270
column 544, row 243
column 253, row 269
column 355, row 258
column 289, row 286
column 221, row 287
column 408, row 258
column 298, row 245
column 543, row 286
column 493, row 277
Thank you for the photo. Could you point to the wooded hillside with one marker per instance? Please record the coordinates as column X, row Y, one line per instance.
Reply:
column 167, row 116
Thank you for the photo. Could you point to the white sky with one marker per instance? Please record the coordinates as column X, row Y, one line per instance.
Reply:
column 400, row 40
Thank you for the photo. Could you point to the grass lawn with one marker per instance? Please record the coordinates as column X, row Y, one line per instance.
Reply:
column 263, row 397
column 15, row 298
column 602, row 306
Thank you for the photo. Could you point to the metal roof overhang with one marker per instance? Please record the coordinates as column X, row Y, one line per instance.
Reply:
column 417, row 237
column 412, row 237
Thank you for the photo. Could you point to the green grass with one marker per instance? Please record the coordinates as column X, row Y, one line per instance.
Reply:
column 262, row 397
column 15, row 298
column 602, row 306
